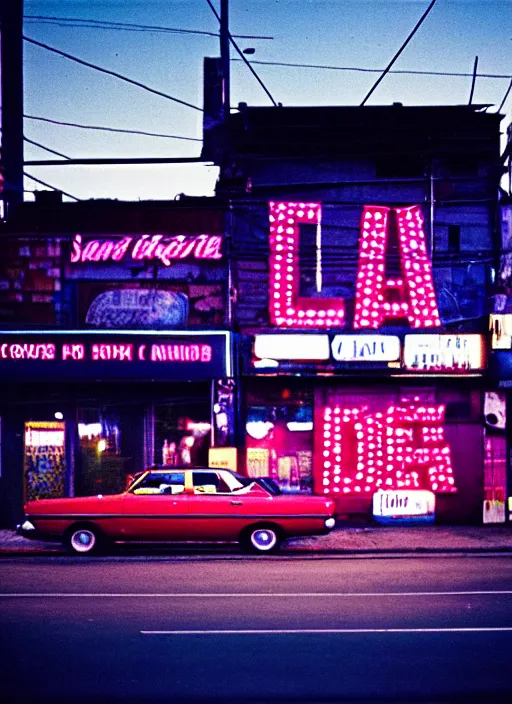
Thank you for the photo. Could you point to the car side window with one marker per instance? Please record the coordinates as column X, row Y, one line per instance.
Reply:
column 159, row 483
column 206, row 482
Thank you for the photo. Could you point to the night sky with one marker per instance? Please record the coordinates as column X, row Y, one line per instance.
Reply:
column 338, row 33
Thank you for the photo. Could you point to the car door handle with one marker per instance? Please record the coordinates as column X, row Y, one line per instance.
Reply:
column 236, row 503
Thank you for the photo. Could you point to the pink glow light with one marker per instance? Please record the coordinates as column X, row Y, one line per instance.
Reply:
column 403, row 448
column 412, row 296
column 287, row 308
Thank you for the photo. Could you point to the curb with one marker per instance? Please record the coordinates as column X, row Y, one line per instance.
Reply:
column 299, row 551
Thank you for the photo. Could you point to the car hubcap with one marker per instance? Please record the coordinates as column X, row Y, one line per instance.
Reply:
column 83, row 540
column 264, row 539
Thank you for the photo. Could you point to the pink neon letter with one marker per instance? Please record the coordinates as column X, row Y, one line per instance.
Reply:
column 411, row 295
column 286, row 307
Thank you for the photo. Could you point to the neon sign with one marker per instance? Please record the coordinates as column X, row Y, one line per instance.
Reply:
column 403, row 447
column 147, row 248
column 378, row 297
column 86, row 354
column 125, row 352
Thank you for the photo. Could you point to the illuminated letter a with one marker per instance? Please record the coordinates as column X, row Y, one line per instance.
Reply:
column 411, row 295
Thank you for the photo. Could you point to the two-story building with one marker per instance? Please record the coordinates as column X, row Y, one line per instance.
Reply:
column 115, row 344
column 364, row 249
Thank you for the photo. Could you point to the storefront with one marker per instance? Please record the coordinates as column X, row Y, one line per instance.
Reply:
column 83, row 410
column 377, row 421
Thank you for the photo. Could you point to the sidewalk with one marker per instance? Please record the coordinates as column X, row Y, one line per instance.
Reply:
column 346, row 540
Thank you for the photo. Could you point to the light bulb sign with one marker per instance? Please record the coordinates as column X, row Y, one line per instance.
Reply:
column 379, row 298
column 76, row 355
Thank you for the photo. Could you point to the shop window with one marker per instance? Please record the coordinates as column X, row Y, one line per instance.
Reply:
column 182, row 434
column 103, row 465
column 279, row 443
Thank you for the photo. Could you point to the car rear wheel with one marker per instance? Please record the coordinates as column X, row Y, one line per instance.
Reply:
column 262, row 539
column 83, row 540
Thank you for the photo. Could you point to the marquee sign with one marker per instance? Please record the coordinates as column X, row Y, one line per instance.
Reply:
column 379, row 298
column 410, row 353
column 365, row 348
column 401, row 447
column 131, row 355
column 446, row 352
column 160, row 248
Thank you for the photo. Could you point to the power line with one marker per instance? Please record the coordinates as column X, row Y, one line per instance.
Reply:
column 505, row 96
column 46, row 149
column 243, row 56
column 129, row 26
column 110, row 129
column 395, row 57
column 48, row 185
column 378, row 70
column 111, row 73
column 41, row 146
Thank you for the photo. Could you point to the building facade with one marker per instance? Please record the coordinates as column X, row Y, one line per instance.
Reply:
column 115, row 346
column 364, row 249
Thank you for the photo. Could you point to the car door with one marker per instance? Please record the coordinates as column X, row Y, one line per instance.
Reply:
column 156, row 508
column 214, row 512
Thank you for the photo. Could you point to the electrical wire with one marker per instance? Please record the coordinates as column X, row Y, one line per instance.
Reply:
column 505, row 96
column 46, row 149
column 129, row 26
column 111, row 73
column 378, row 70
column 110, row 129
column 48, row 185
column 395, row 57
column 242, row 56
column 41, row 146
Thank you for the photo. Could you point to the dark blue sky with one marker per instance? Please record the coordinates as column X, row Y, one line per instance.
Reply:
column 338, row 33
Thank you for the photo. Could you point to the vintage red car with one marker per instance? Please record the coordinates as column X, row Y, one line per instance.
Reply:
column 181, row 505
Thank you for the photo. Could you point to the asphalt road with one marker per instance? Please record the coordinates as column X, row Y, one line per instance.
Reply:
column 272, row 629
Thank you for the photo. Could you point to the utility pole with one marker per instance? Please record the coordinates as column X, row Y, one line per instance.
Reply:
column 11, row 66
column 224, row 57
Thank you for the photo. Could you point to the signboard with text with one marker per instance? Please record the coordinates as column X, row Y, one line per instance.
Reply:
column 407, row 353
column 49, row 355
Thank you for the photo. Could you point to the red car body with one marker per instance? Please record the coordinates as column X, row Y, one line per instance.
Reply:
column 181, row 505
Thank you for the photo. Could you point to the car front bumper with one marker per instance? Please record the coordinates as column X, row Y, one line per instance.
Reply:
column 28, row 530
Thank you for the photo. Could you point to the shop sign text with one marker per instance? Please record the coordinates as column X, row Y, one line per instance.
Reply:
column 365, row 348
column 108, row 351
column 161, row 248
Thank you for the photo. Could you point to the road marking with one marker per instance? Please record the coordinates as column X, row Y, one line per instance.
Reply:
column 323, row 631
column 242, row 595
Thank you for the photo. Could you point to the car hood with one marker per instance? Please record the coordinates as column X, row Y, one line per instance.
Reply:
column 75, row 504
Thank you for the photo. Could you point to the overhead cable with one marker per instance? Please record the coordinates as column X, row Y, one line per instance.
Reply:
column 379, row 70
column 505, row 96
column 395, row 57
column 41, row 146
column 243, row 56
column 111, row 73
column 110, row 129
column 46, row 149
column 48, row 185
column 129, row 26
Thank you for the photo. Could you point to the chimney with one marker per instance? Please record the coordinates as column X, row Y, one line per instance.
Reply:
column 212, row 105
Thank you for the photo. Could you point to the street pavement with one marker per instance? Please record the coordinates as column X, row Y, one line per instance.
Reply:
column 286, row 630
column 342, row 540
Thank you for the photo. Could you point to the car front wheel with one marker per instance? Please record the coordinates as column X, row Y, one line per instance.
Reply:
column 262, row 539
column 83, row 540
